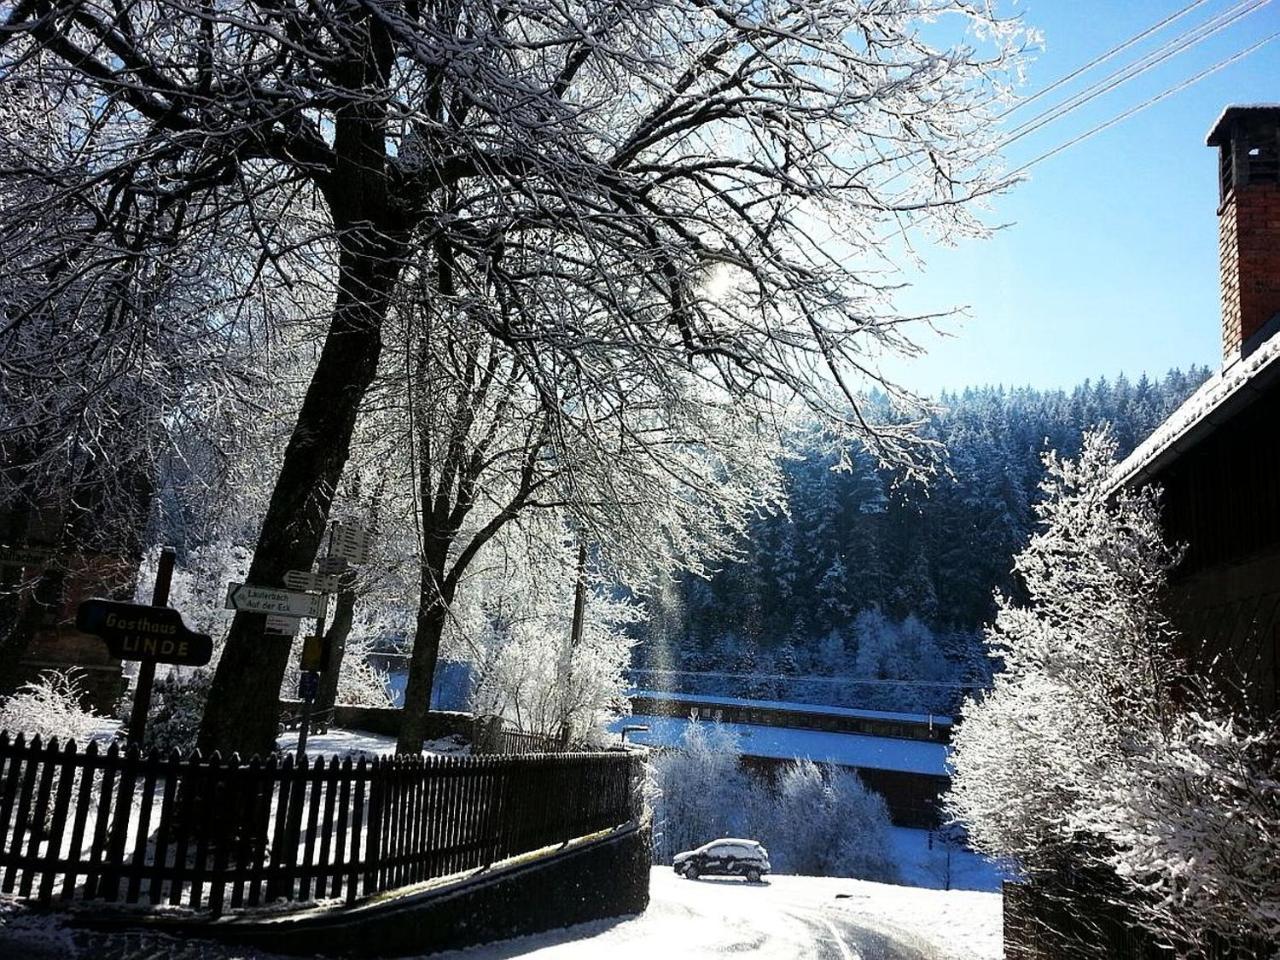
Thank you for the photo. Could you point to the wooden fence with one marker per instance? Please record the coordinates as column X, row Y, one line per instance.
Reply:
column 214, row 834
column 510, row 743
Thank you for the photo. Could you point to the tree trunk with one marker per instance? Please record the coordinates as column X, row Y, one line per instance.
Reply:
column 432, row 611
column 242, row 714
column 336, row 640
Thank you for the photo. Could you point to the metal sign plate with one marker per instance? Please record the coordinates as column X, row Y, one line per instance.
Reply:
column 282, row 626
column 25, row 556
column 305, row 580
column 249, row 598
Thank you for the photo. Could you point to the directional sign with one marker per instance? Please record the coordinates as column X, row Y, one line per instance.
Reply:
column 330, row 565
column 253, row 599
column 25, row 556
column 136, row 632
column 350, row 542
column 305, row 580
column 282, row 626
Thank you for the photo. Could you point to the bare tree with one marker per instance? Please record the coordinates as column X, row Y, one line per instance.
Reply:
column 655, row 147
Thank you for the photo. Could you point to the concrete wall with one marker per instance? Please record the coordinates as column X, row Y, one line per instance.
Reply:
column 598, row 879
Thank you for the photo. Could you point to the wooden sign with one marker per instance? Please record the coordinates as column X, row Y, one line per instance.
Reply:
column 25, row 556
column 331, row 565
column 136, row 632
column 317, row 582
column 248, row 598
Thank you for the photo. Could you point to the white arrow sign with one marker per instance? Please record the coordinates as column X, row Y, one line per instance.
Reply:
column 253, row 599
column 304, row 580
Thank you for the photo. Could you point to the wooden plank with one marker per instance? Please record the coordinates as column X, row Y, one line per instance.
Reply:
column 138, row 865
column 332, row 773
column 278, row 884
column 204, row 777
column 164, row 828
column 121, row 813
column 340, row 859
column 31, row 766
column 359, row 832
column 186, row 822
column 68, row 765
column 84, row 800
column 248, row 827
column 373, row 832
column 314, row 787
column 12, row 752
column 98, row 845
column 48, row 767
column 268, row 781
column 225, row 791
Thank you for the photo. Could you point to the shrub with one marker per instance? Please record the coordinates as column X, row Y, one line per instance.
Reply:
column 51, row 706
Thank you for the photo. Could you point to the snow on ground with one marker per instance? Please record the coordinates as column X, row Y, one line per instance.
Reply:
column 785, row 743
column 785, row 918
column 922, row 865
column 338, row 742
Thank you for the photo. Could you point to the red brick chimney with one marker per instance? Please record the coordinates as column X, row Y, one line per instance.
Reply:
column 1248, row 142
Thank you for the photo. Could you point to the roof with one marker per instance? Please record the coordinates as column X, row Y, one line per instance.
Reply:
column 1217, row 400
column 1217, row 133
column 794, row 707
column 787, row 743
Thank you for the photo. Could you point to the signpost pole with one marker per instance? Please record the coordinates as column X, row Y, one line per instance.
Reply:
column 307, row 703
column 147, row 668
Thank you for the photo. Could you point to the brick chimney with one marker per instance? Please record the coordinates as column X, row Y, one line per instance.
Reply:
column 1248, row 142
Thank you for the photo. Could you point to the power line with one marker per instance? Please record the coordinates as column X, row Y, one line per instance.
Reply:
column 1221, row 64
column 1104, row 57
column 1170, row 48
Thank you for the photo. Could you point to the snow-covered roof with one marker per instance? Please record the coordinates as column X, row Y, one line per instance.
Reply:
column 1219, row 398
column 1214, row 137
column 793, row 706
column 787, row 743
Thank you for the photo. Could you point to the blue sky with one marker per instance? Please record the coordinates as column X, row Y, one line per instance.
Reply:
column 1109, row 262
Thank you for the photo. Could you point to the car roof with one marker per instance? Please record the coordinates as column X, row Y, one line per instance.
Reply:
column 740, row 842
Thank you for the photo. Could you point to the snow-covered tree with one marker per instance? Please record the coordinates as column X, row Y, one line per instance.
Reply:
column 702, row 792
column 1093, row 752
column 669, row 172
column 1086, row 662
column 826, row 823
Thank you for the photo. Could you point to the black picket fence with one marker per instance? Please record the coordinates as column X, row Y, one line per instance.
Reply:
column 213, row 834
column 515, row 743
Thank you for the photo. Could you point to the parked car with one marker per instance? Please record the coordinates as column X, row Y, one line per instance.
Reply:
column 729, row 857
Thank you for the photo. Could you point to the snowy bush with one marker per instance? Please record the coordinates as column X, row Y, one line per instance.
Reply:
column 50, row 706
column 703, row 792
column 177, row 704
column 826, row 823
column 819, row 821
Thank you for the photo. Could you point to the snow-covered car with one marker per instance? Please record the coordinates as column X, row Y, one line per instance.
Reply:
column 729, row 857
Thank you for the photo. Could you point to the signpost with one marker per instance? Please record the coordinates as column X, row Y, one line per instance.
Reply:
column 150, row 635
column 249, row 598
column 25, row 556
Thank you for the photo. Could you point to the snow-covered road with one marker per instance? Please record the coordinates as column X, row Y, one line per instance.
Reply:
column 787, row 918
